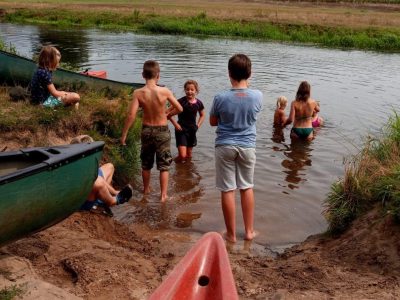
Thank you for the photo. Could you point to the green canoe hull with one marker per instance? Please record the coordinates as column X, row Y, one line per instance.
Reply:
column 18, row 71
column 48, row 192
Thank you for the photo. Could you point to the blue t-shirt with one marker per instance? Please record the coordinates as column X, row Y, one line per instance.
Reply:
column 236, row 111
column 40, row 80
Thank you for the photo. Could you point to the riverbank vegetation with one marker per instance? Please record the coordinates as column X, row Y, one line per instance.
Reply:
column 97, row 116
column 339, row 27
column 372, row 178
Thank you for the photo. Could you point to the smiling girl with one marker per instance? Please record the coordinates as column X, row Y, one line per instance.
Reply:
column 187, row 125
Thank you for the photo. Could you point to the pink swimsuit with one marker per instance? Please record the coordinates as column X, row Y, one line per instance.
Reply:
column 316, row 123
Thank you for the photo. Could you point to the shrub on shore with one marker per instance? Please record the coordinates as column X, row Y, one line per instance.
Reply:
column 371, row 177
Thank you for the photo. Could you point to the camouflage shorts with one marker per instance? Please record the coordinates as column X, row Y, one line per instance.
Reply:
column 156, row 141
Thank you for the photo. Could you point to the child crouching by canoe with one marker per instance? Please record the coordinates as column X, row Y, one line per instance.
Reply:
column 42, row 88
column 103, row 194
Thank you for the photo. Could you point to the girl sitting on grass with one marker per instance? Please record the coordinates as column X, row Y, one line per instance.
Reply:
column 42, row 88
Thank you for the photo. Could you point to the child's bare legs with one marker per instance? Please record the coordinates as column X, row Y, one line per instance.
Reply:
column 146, row 181
column 189, row 152
column 182, row 150
column 108, row 173
column 70, row 98
column 100, row 191
column 247, row 200
column 164, row 175
column 228, row 208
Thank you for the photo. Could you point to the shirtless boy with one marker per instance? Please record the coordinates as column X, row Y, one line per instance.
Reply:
column 155, row 136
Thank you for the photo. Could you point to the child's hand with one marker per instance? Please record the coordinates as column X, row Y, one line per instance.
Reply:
column 178, row 127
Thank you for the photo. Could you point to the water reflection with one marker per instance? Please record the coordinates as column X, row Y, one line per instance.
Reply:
column 186, row 185
column 298, row 159
column 73, row 46
column 277, row 134
column 185, row 219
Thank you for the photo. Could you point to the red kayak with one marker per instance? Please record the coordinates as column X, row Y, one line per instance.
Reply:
column 99, row 74
column 203, row 273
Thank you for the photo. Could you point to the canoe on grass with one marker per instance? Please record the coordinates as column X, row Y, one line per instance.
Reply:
column 204, row 273
column 42, row 186
column 18, row 71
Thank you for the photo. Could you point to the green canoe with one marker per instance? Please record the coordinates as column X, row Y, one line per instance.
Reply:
column 42, row 186
column 18, row 71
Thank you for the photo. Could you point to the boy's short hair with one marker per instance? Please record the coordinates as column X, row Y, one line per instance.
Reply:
column 281, row 101
column 239, row 67
column 48, row 58
column 191, row 81
column 151, row 69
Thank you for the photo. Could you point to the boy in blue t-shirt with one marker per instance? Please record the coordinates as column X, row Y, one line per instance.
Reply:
column 234, row 112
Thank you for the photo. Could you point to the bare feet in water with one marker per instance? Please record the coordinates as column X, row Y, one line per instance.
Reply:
column 251, row 235
column 229, row 238
column 163, row 198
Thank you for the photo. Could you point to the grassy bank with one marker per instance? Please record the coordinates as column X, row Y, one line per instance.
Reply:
column 371, row 178
column 378, row 38
column 97, row 116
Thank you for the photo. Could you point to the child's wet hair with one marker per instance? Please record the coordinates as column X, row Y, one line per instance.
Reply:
column 239, row 67
column 191, row 81
column 49, row 58
column 151, row 69
column 281, row 101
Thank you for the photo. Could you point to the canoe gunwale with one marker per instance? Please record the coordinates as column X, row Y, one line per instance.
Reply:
column 53, row 161
column 80, row 76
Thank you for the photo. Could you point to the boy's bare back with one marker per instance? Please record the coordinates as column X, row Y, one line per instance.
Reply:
column 152, row 99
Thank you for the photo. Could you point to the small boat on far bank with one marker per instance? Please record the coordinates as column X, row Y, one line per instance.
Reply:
column 204, row 273
column 16, row 70
column 42, row 186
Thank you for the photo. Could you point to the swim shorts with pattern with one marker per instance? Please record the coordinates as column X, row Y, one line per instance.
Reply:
column 156, row 141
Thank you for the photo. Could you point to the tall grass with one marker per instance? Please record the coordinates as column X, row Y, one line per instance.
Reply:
column 371, row 177
column 7, row 47
column 97, row 116
column 336, row 37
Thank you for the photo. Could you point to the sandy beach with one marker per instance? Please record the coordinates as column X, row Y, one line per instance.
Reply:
column 91, row 256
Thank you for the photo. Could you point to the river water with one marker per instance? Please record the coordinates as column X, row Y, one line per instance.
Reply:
column 357, row 90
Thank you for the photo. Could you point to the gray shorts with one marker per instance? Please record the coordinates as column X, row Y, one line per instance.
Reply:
column 234, row 167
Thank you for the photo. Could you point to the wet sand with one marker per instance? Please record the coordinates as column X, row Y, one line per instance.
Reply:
column 92, row 256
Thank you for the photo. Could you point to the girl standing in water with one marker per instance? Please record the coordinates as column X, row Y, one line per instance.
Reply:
column 187, row 126
column 301, row 113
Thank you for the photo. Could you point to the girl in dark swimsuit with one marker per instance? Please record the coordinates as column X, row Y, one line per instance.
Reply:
column 301, row 113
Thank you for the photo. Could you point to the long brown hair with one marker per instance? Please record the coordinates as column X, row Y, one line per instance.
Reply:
column 304, row 91
column 49, row 58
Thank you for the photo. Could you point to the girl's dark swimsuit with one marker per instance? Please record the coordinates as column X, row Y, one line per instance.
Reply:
column 302, row 133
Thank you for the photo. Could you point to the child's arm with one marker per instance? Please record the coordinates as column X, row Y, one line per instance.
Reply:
column 53, row 91
column 290, row 119
column 176, row 107
column 201, row 119
column 130, row 118
column 175, row 123
column 283, row 117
